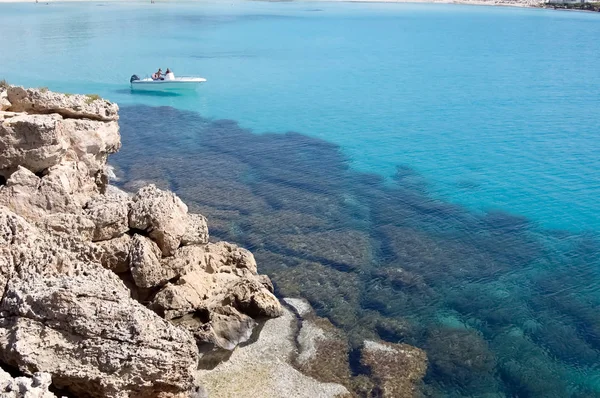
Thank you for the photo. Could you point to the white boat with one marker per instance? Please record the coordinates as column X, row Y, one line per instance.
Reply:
column 174, row 84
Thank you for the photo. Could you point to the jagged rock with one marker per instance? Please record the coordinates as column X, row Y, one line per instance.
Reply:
column 92, row 141
column 162, row 214
column 219, row 281
column 64, row 189
column 109, row 214
column 252, row 298
column 35, row 386
column 146, row 268
column 77, row 106
column 76, row 320
column 33, row 141
column 64, row 236
column 4, row 103
column 114, row 253
column 396, row 368
column 86, row 331
column 196, row 231
column 227, row 257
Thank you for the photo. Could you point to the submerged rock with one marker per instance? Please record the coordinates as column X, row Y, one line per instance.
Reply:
column 397, row 369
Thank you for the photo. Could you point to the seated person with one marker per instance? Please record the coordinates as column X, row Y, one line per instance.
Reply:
column 158, row 75
column 169, row 75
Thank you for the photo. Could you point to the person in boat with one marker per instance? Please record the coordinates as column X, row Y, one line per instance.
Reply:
column 169, row 75
column 158, row 75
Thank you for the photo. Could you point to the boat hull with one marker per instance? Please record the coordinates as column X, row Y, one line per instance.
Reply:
column 167, row 85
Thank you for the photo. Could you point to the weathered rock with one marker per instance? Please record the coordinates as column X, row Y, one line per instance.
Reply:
column 25, row 387
column 64, row 189
column 92, row 141
column 109, row 213
column 4, row 103
column 76, row 320
column 396, row 368
column 162, row 214
column 92, row 337
column 262, row 369
column 146, row 268
column 114, row 253
column 196, row 231
column 67, row 223
column 219, row 282
column 323, row 349
column 36, row 142
column 42, row 101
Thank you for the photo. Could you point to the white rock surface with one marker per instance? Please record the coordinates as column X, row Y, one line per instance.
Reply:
column 262, row 369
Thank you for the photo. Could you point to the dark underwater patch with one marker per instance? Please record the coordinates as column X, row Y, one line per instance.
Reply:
column 502, row 307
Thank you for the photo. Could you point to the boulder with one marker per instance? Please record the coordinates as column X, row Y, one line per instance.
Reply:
column 36, row 142
column 114, row 253
column 217, row 293
column 42, row 101
column 144, row 261
column 109, row 213
column 196, row 232
column 162, row 215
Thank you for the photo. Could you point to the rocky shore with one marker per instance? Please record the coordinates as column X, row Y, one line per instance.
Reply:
column 115, row 294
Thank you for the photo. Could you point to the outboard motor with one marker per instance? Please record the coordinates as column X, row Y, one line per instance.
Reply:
column 134, row 78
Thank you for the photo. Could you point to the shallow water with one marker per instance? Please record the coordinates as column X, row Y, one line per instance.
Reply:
column 440, row 187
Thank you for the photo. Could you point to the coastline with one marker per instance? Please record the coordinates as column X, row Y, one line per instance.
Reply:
column 498, row 3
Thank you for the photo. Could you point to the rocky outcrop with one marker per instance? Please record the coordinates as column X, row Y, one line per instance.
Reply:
column 25, row 387
column 263, row 369
column 107, row 294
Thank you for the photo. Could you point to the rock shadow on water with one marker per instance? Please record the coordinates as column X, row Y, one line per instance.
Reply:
column 383, row 260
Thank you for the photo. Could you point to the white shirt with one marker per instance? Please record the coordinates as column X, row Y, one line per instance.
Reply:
column 170, row 76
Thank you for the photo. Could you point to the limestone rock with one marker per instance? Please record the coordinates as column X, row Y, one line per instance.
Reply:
column 67, row 223
column 196, row 231
column 109, row 213
column 92, row 337
column 397, row 368
column 146, row 267
column 36, row 142
column 64, row 189
column 4, row 103
column 162, row 214
column 25, row 387
column 262, row 369
column 216, row 294
column 114, row 253
column 92, row 141
column 42, row 101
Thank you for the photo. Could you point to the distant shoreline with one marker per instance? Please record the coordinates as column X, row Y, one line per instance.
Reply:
column 462, row 2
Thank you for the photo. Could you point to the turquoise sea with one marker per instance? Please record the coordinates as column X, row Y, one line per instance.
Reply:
column 420, row 173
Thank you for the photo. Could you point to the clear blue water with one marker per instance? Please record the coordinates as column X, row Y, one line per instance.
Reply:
column 457, row 143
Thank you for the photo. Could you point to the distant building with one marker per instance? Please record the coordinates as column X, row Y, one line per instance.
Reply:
column 570, row 1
